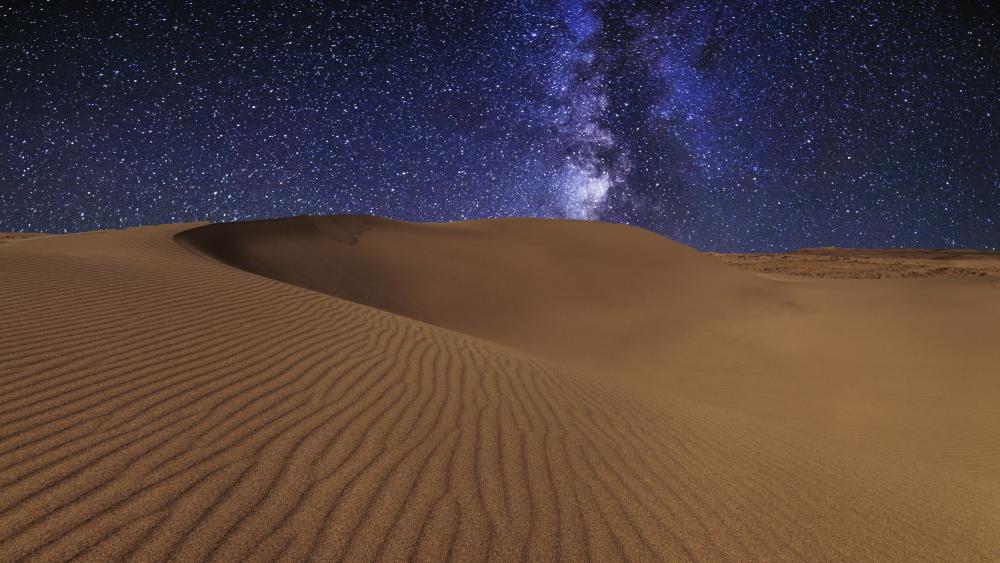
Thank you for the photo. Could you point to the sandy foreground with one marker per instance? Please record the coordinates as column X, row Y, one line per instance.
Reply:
column 362, row 389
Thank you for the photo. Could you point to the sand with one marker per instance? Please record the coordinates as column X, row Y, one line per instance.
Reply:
column 357, row 388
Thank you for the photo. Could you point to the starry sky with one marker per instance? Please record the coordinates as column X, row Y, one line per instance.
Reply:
column 731, row 126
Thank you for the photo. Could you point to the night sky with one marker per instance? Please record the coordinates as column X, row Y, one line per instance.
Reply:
column 724, row 125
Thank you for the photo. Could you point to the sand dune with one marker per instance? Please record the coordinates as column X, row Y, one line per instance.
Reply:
column 501, row 390
column 876, row 364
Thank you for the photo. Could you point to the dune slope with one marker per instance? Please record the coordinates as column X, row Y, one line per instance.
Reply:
column 159, row 404
column 570, row 290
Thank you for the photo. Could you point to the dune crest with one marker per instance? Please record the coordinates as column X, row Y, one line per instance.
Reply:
column 158, row 403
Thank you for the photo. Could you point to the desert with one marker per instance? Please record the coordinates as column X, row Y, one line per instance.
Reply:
column 358, row 388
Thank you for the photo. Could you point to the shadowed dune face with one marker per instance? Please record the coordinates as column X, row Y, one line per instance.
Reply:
column 157, row 403
column 573, row 291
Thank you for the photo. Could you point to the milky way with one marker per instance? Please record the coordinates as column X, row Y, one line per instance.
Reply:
column 725, row 125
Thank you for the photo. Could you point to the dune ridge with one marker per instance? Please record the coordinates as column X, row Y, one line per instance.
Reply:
column 159, row 404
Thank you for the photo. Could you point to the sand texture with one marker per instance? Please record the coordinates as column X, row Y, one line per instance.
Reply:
column 361, row 389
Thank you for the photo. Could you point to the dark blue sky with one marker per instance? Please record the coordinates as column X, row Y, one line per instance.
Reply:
column 725, row 125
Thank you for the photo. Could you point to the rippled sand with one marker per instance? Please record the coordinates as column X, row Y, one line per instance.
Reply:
column 356, row 388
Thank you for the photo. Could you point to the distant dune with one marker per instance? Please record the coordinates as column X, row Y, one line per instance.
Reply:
column 861, row 263
column 363, row 389
column 14, row 237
